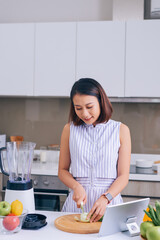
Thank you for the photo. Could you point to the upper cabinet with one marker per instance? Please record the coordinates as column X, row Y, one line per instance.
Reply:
column 16, row 59
column 55, row 53
column 101, row 54
column 142, row 59
column 45, row 59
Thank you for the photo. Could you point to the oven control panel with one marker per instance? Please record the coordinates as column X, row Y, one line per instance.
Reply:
column 47, row 182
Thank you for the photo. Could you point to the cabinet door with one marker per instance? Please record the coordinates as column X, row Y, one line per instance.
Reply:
column 142, row 59
column 16, row 59
column 55, row 58
column 100, row 54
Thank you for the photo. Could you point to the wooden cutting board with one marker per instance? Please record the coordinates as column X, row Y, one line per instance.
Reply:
column 67, row 223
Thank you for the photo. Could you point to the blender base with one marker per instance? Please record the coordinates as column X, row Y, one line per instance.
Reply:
column 25, row 196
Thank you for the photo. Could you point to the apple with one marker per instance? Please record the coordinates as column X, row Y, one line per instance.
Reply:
column 5, row 208
column 144, row 227
column 11, row 222
column 153, row 233
column 11, row 214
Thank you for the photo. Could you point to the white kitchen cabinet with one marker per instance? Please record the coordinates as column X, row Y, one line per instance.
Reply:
column 55, row 51
column 101, row 54
column 142, row 59
column 16, row 59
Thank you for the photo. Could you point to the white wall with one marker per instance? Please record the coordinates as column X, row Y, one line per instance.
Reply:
column 128, row 9
column 54, row 10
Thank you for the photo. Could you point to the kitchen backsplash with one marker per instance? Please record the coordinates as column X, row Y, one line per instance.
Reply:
column 41, row 120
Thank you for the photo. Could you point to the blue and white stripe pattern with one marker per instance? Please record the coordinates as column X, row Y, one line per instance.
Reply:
column 94, row 155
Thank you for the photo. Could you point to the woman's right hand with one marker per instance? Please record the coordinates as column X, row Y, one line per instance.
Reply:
column 79, row 195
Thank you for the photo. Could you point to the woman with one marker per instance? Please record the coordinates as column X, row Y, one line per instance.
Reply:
column 94, row 153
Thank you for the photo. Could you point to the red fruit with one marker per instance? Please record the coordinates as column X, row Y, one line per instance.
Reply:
column 11, row 214
column 11, row 222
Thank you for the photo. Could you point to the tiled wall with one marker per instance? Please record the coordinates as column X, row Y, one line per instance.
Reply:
column 42, row 119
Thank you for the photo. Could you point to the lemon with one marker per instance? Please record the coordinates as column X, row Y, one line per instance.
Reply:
column 17, row 207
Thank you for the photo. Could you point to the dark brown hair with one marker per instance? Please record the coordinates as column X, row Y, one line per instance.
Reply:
column 89, row 86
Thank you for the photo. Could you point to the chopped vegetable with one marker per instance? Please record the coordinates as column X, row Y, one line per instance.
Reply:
column 83, row 217
column 76, row 218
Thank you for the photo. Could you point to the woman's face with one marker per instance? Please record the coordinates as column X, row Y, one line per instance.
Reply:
column 87, row 108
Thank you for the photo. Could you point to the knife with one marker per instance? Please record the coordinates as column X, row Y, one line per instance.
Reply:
column 82, row 207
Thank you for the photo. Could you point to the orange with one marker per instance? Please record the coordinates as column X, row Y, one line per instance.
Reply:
column 146, row 218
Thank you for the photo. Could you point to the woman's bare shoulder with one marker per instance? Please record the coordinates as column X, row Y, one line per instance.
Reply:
column 124, row 131
column 66, row 129
column 124, row 128
column 67, row 126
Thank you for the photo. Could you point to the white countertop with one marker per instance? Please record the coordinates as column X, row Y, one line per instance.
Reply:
column 51, row 232
column 145, row 177
column 50, row 167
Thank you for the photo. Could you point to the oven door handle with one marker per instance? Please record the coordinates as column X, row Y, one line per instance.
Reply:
column 51, row 194
column 44, row 193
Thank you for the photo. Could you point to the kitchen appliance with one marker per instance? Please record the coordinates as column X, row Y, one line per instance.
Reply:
column 123, row 217
column 17, row 159
column 49, row 192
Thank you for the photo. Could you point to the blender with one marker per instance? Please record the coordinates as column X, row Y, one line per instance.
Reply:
column 17, row 158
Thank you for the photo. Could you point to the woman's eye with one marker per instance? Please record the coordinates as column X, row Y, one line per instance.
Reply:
column 89, row 107
column 78, row 109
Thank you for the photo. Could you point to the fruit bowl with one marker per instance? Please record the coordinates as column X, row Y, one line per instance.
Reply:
column 11, row 223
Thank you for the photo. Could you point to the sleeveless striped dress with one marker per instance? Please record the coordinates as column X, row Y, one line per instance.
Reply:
column 94, row 155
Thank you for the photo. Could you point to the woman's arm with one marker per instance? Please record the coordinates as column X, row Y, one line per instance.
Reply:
column 122, row 174
column 123, row 162
column 64, row 175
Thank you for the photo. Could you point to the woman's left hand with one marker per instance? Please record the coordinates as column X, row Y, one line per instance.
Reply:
column 98, row 209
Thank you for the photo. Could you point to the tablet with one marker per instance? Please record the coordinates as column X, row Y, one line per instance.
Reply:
column 123, row 217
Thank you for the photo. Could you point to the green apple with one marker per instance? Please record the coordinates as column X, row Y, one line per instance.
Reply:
column 153, row 233
column 144, row 227
column 5, row 208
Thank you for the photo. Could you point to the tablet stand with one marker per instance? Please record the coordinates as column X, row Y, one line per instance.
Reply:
column 132, row 226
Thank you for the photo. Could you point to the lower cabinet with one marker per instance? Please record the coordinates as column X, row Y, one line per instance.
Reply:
column 141, row 189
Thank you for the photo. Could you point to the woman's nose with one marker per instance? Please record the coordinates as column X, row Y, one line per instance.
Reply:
column 85, row 113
